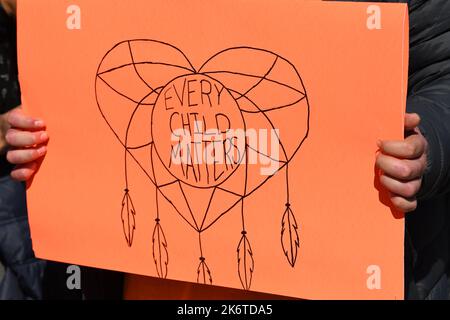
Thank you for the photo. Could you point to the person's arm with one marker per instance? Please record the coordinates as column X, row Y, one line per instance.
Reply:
column 432, row 103
column 429, row 89
column 24, row 137
column 423, row 172
column 11, row 99
column 429, row 97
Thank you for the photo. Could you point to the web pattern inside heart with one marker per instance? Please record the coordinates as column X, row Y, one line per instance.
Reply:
column 244, row 88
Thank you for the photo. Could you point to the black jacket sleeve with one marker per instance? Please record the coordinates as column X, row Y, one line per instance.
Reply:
column 9, row 85
column 429, row 88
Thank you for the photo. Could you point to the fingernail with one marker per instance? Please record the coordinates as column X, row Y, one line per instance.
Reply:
column 38, row 123
column 44, row 136
column 42, row 150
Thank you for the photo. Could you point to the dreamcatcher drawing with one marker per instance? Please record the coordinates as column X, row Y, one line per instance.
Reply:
column 238, row 90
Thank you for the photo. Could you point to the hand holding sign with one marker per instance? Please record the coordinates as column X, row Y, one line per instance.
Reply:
column 28, row 139
column 403, row 164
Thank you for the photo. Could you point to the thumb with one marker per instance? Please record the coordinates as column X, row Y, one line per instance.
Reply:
column 412, row 120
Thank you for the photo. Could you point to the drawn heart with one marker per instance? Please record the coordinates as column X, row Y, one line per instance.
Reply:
column 242, row 96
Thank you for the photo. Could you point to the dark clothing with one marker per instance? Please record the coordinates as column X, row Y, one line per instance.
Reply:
column 9, row 86
column 22, row 278
column 21, row 273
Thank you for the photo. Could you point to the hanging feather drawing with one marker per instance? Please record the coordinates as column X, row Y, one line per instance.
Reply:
column 246, row 264
column 290, row 241
column 160, row 253
column 203, row 273
column 127, row 215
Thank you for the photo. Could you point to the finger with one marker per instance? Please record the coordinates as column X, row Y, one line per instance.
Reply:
column 22, row 156
column 24, row 172
column 412, row 120
column 400, row 168
column 38, row 163
column 404, row 204
column 17, row 119
column 19, row 139
column 412, row 147
column 405, row 189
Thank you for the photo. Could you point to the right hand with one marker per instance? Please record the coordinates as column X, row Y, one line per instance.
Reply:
column 403, row 164
column 27, row 139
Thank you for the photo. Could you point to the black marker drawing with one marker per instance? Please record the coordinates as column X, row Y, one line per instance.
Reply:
column 240, row 88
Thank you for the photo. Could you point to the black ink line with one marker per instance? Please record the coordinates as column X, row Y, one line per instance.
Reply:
column 122, row 95
column 260, row 80
column 135, row 69
column 275, row 108
column 207, row 208
column 141, row 146
column 189, row 207
column 144, row 63
column 265, row 155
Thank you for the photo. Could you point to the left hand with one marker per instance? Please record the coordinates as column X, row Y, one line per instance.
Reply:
column 403, row 164
column 27, row 139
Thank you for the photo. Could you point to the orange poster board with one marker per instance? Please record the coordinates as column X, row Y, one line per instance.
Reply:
column 229, row 143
